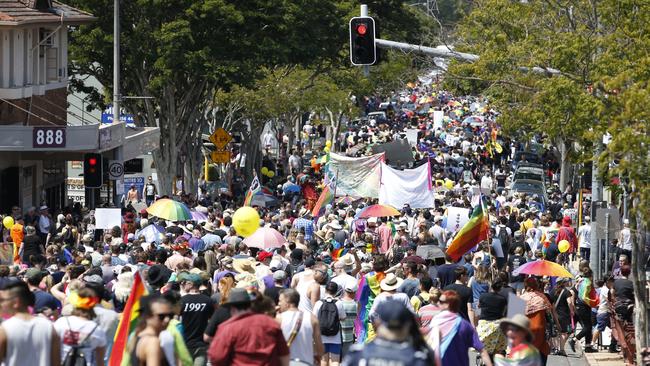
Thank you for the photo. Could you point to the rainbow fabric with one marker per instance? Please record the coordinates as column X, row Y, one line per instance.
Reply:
column 587, row 293
column 474, row 231
column 326, row 197
column 338, row 253
column 522, row 355
column 368, row 290
column 129, row 320
column 254, row 189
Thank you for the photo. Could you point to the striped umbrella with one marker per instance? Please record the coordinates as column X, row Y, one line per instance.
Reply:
column 378, row 211
column 542, row 268
column 169, row 209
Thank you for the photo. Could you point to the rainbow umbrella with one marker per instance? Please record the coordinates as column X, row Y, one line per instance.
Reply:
column 169, row 209
column 378, row 211
column 542, row 268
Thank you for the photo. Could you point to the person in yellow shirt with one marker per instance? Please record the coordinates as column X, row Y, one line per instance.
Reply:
column 527, row 223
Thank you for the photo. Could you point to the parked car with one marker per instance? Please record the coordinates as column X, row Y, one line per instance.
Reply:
column 527, row 157
column 530, row 187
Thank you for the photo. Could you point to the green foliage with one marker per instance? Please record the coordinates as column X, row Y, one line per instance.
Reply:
column 600, row 49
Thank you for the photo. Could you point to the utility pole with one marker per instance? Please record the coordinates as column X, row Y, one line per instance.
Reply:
column 364, row 13
column 596, row 196
column 118, row 153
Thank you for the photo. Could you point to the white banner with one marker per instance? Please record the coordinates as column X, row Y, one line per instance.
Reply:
column 457, row 217
column 408, row 186
column 107, row 218
column 437, row 119
column 357, row 177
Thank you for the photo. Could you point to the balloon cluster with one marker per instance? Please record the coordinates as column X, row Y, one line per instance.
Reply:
column 268, row 173
column 328, row 146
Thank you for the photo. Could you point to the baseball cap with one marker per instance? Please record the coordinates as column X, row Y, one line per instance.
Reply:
column 351, row 286
column 190, row 277
column 393, row 314
column 279, row 275
column 34, row 273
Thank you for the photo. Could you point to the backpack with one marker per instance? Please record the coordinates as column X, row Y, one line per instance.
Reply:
column 74, row 357
column 328, row 318
column 423, row 302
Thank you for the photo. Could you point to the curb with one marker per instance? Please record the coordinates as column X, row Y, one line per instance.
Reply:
column 604, row 359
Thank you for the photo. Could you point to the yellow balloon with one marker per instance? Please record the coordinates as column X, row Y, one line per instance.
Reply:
column 270, row 174
column 498, row 147
column 563, row 246
column 328, row 143
column 246, row 221
column 265, row 170
column 327, row 149
column 449, row 184
column 8, row 222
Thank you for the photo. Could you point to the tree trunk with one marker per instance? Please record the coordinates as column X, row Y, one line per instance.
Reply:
column 564, row 162
column 640, row 286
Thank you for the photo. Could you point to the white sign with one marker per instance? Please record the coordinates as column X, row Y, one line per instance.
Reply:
column 107, row 218
column 437, row 119
column 412, row 136
column 457, row 217
column 115, row 169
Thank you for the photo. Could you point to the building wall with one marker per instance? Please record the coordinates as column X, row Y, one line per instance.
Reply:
column 46, row 109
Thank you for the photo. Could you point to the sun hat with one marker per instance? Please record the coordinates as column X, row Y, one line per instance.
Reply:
column 335, row 225
column 391, row 282
column 158, row 275
column 243, row 265
column 347, row 260
column 279, row 275
column 520, row 321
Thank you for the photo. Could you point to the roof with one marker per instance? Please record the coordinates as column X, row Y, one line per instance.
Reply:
column 16, row 12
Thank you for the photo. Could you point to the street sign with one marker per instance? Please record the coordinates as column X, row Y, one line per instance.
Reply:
column 115, row 170
column 47, row 137
column 220, row 156
column 107, row 116
column 220, row 138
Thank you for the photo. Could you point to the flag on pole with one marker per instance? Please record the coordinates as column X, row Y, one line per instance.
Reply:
column 326, row 198
column 129, row 320
column 473, row 232
column 254, row 189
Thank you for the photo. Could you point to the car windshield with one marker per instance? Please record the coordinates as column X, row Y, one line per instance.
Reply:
column 528, row 175
column 532, row 187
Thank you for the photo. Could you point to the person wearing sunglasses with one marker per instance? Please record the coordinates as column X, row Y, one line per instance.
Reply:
column 144, row 349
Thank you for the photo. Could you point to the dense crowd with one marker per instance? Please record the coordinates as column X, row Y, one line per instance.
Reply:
column 342, row 289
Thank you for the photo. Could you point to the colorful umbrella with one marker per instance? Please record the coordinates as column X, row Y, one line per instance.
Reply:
column 542, row 268
column 199, row 216
column 265, row 238
column 169, row 209
column 378, row 211
column 291, row 188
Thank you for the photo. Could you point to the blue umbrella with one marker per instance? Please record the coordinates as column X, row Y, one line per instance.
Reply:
column 152, row 233
column 291, row 188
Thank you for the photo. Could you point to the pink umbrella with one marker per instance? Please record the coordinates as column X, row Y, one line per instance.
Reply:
column 265, row 238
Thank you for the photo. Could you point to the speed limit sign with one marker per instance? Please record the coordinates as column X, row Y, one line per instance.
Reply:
column 115, row 169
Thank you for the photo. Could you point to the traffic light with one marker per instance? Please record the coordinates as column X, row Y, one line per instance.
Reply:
column 93, row 175
column 362, row 41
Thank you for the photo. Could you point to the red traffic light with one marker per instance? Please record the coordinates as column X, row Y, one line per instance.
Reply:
column 92, row 161
column 362, row 29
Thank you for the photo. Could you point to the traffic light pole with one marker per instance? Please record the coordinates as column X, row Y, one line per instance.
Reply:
column 364, row 13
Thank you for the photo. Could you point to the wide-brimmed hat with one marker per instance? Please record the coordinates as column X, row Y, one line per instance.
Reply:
column 520, row 321
column 209, row 227
column 391, row 282
column 157, row 275
column 347, row 260
column 335, row 225
column 237, row 296
column 243, row 265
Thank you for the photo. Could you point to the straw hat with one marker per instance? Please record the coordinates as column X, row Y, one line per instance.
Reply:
column 243, row 265
column 390, row 283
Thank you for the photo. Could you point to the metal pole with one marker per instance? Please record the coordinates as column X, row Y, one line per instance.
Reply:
column 606, row 244
column 596, row 195
column 116, row 61
column 364, row 10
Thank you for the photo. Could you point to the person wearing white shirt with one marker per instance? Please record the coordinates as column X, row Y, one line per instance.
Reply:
column 584, row 238
column 625, row 239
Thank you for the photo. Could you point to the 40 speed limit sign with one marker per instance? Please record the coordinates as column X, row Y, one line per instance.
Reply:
column 115, row 170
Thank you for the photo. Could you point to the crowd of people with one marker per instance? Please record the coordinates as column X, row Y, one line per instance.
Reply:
column 343, row 290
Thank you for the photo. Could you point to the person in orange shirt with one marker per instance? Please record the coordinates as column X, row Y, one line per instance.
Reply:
column 17, row 234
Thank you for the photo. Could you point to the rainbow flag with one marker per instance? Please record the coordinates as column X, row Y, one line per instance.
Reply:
column 475, row 230
column 326, row 198
column 365, row 297
column 129, row 320
column 254, row 189
column 338, row 251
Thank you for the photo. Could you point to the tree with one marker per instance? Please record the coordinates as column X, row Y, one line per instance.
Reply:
column 600, row 53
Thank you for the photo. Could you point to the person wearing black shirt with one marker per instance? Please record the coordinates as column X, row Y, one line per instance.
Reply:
column 464, row 292
column 492, row 307
column 32, row 245
column 446, row 274
column 196, row 310
column 623, row 292
column 563, row 301
column 514, row 262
